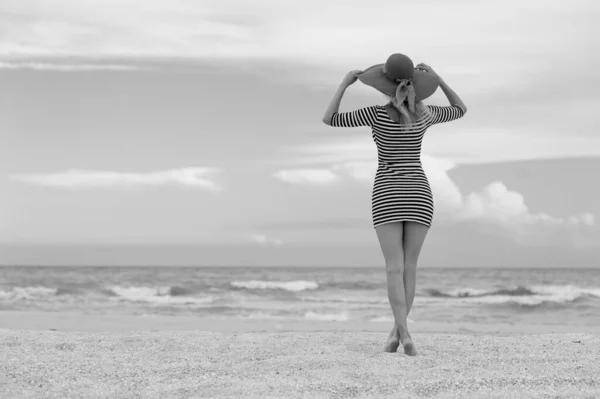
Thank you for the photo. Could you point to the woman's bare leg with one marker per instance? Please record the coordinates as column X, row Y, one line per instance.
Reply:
column 390, row 240
column 414, row 237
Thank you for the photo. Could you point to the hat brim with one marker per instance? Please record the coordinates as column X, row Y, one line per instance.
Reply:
column 425, row 83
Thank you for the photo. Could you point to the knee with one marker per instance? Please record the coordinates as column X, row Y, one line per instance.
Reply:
column 410, row 267
column 394, row 266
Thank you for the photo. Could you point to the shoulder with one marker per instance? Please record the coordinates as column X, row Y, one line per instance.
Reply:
column 374, row 110
column 378, row 108
column 379, row 111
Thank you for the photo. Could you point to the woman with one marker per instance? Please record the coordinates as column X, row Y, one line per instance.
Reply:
column 402, row 202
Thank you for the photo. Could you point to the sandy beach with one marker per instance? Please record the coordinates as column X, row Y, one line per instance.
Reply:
column 326, row 364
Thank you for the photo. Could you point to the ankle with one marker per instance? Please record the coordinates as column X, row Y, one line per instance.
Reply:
column 404, row 334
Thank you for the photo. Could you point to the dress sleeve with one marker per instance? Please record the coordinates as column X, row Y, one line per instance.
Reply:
column 361, row 117
column 445, row 114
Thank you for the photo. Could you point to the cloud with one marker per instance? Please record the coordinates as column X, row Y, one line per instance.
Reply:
column 486, row 144
column 47, row 66
column 494, row 204
column 88, row 179
column 323, row 223
column 266, row 240
column 292, row 29
column 318, row 177
column 496, row 73
column 160, row 28
column 454, row 141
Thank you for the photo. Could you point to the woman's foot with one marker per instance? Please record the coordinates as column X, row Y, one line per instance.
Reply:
column 393, row 341
column 391, row 345
column 409, row 346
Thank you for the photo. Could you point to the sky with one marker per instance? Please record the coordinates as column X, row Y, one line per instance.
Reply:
column 190, row 132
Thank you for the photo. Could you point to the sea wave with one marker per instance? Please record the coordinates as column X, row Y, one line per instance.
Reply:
column 354, row 285
column 25, row 293
column 265, row 316
column 166, row 295
column 523, row 295
column 292, row 286
column 387, row 319
column 358, row 300
column 341, row 316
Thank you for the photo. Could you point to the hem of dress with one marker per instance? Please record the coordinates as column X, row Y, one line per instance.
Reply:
column 402, row 220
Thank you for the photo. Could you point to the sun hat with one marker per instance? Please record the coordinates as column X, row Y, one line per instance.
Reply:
column 398, row 78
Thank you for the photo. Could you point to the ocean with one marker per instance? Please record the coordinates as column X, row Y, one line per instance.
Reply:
column 517, row 297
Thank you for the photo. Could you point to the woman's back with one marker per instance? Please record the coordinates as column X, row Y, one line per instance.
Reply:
column 396, row 142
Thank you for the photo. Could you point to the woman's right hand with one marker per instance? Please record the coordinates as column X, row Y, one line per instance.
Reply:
column 427, row 68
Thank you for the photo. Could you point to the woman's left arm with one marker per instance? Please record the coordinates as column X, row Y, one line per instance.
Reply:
column 334, row 105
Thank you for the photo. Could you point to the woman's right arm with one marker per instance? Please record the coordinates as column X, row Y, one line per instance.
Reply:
column 453, row 98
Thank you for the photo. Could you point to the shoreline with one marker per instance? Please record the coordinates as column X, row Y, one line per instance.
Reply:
column 106, row 322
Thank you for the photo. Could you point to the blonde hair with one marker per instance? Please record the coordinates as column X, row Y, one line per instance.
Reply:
column 406, row 116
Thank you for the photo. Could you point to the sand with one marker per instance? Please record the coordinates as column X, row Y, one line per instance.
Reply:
column 328, row 364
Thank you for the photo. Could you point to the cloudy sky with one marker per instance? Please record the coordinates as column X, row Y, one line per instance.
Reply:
column 189, row 132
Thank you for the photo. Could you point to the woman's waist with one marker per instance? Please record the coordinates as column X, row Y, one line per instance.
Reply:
column 407, row 163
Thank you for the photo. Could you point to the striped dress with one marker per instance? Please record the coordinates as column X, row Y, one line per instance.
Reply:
column 401, row 191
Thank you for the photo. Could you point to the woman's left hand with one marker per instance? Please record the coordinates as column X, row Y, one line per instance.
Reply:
column 351, row 77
